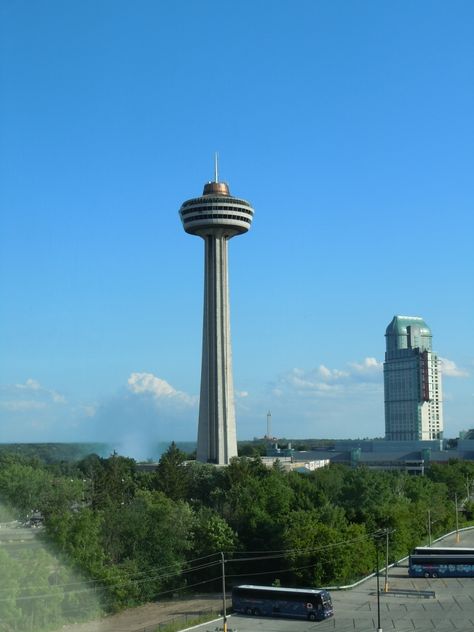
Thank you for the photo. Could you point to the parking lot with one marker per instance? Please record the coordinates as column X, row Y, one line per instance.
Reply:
column 404, row 608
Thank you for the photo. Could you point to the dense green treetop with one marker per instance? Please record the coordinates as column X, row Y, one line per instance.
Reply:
column 141, row 536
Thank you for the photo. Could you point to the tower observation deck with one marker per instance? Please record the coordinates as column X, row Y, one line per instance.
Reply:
column 216, row 216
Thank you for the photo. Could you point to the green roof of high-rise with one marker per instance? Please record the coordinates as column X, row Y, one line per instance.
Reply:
column 407, row 332
column 398, row 325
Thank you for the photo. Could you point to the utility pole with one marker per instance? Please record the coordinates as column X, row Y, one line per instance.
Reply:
column 379, row 629
column 429, row 526
column 224, row 615
column 458, row 539
column 386, row 560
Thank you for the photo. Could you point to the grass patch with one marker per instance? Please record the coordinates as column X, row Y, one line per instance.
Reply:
column 187, row 621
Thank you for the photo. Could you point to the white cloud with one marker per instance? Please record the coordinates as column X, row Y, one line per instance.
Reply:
column 306, row 382
column 368, row 365
column 31, row 412
column 30, row 384
column 450, row 369
column 331, row 374
column 89, row 410
column 323, row 381
column 28, row 396
column 241, row 393
column 149, row 384
column 146, row 411
column 21, row 405
column 324, row 401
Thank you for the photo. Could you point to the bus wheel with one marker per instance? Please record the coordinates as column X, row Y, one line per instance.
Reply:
column 434, row 574
column 249, row 611
column 427, row 575
column 256, row 612
column 312, row 616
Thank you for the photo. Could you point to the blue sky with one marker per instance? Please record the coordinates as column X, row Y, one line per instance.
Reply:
column 349, row 127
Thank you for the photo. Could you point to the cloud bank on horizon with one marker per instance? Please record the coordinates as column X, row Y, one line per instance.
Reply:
column 147, row 409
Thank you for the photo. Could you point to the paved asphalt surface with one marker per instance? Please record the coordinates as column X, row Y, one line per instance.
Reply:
column 355, row 610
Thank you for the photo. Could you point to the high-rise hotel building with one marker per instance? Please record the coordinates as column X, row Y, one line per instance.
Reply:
column 412, row 382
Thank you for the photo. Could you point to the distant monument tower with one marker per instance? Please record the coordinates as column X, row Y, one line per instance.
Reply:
column 216, row 216
column 269, row 425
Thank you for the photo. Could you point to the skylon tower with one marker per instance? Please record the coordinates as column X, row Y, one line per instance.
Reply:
column 216, row 216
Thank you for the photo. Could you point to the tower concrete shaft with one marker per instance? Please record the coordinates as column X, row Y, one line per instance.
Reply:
column 217, row 439
column 216, row 217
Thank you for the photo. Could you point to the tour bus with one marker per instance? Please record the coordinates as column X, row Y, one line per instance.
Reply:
column 444, row 563
column 307, row 603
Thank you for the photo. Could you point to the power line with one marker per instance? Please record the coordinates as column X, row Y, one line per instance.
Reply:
column 75, row 592
column 280, row 570
column 135, row 577
column 149, row 576
column 282, row 552
column 99, row 583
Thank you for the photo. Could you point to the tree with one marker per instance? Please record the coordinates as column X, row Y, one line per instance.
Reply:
column 28, row 488
column 319, row 555
column 363, row 494
column 454, row 474
column 148, row 541
column 78, row 535
column 212, row 534
column 205, row 484
column 252, row 449
column 113, row 483
column 171, row 476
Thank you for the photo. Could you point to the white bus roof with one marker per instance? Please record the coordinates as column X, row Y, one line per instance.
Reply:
column 315, row 591
column 451, row 549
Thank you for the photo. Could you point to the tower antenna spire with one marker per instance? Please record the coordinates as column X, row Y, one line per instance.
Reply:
column 216, row 167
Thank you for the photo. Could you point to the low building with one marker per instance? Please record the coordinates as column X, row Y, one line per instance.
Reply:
column 291, row 463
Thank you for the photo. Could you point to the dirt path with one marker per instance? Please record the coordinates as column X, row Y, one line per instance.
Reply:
column 147, row 618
